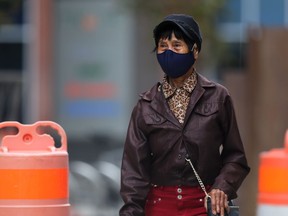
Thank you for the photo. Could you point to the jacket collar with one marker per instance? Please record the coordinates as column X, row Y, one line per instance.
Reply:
column 150, row 94
column 204, row 82
column 157, row 99
column 188, row 85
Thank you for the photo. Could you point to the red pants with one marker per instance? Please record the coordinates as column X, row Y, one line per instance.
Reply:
column 175, row 201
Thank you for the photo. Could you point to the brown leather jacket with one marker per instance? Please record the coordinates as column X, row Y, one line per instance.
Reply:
column 157, row 144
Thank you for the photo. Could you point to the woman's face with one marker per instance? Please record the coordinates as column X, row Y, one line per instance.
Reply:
column 174, row 44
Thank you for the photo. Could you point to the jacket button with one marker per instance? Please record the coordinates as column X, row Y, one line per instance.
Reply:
column 179, row 190
column 179, row 197
column 179, row 156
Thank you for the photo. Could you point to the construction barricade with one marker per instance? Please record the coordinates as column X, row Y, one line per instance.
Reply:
column 273, row 182
column 33, row 172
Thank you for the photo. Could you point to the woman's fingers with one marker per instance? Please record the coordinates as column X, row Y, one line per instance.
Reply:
column 214, row 199
column 218, row 202
column 223, row 203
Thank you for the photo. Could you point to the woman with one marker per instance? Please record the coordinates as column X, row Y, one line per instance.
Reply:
column 184, row 116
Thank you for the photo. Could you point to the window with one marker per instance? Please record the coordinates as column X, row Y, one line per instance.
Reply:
column 231, row 13
column 272, row 12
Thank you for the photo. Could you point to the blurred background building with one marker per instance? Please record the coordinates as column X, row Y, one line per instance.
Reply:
column 82, row 64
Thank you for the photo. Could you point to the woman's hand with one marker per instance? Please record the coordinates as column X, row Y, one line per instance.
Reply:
column 219, row 202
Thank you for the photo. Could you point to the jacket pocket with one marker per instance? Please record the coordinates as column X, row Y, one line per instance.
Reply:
column 154, row 119
column 207, row 109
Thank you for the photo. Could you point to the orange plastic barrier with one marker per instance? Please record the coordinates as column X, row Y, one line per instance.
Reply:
column 273, row 182
column 33, row 172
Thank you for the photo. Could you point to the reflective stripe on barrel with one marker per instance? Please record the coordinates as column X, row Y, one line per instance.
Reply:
column 33, row 184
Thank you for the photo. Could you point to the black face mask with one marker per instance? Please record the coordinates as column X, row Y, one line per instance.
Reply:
column 175, row 64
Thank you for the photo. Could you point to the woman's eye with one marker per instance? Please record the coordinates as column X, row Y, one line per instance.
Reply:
column 162, row 45
column 177, row 46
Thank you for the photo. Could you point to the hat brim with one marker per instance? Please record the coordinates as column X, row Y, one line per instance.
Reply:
column 165, row 23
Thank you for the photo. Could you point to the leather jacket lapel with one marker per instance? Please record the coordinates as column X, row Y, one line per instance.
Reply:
column 195, row 96
column 160, row 105
column 197, row 93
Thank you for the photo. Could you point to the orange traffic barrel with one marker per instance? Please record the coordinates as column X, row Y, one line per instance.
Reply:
column 33, row 171
column 273, row 182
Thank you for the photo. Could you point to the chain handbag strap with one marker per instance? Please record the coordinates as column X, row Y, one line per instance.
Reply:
column 234, row 210
column 198, row 178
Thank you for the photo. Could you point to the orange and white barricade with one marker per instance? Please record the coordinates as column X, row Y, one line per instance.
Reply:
column 273, row 182
column 33, row 172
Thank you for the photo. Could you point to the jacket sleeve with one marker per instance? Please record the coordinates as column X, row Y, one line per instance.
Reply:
column 135, row 175
column 235, row 167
